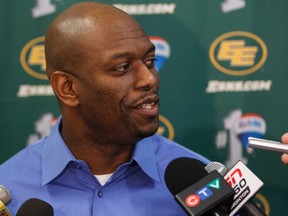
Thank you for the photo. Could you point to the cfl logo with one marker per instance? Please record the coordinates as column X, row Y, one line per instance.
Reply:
column 236, row 181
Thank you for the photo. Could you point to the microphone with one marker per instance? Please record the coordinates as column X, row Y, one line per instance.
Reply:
column 245, row 183
column 197, row 191
column 5, row 199
column 35, row 207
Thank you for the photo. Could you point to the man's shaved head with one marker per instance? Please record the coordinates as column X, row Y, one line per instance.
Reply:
column 100, row 64
column 77, row 31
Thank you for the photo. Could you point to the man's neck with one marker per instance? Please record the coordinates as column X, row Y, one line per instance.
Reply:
column 102, row 159
column 103, row 153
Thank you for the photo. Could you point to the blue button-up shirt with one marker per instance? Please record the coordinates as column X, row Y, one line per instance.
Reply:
column 48, row 170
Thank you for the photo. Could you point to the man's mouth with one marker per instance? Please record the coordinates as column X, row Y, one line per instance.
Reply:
column 147, row 106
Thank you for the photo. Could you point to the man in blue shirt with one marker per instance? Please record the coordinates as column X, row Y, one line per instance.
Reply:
column 102, row 157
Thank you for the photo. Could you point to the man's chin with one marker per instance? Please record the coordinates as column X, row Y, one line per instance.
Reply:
column 147, row 133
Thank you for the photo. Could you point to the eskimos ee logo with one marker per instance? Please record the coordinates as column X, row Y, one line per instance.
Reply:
column 238, row 53
column 32, row 58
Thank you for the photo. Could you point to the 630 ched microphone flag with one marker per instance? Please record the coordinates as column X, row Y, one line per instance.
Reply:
column 245, row 183
column 238, row 180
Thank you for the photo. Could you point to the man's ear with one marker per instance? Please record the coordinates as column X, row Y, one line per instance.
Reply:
column 64, row 86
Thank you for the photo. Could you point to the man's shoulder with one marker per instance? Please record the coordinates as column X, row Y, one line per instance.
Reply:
column 27, row 157
column 21, row 173
column 169, row 149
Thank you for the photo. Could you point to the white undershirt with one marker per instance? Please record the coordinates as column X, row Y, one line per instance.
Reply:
column 102, row 179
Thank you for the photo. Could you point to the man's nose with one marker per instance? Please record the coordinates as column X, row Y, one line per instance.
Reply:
column 147, row 78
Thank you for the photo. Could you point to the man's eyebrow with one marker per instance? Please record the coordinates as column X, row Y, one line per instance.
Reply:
column 120, row 55
column 152, row 48
column 128, row 54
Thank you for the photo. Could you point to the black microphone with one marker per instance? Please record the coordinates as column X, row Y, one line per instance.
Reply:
column 176, row 176
column 245, row 183
column 196, row 191
column 5, row 199
column 35, row 207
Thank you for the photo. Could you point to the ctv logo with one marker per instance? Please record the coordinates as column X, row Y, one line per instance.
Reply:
column 194, row 199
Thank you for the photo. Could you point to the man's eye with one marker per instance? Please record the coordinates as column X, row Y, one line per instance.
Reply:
column 122, row 68
column 150, row 63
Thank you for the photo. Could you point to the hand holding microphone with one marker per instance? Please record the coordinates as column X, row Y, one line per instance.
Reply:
column 271, row 146
column 284, row 156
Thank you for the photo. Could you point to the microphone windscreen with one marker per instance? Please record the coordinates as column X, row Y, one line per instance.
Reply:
column 219, row 167
column 182, row 173
column 35, row 207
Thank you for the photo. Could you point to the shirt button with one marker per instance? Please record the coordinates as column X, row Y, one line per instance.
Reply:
column 100, row 194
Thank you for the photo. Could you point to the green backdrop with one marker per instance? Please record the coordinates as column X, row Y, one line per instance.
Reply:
column 223, row 70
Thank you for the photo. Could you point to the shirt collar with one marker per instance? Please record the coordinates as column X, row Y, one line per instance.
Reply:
column 144, row 155
column 56, row 156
